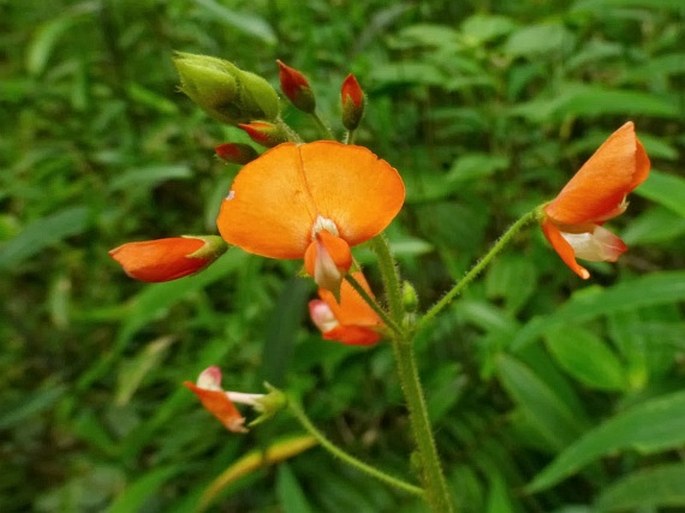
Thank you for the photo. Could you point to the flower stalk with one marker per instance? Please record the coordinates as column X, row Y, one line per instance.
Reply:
column 480, row 265
column 299, row 414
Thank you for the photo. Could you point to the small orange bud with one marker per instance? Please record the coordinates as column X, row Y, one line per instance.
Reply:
column 264, row 133
column 353, row 102
column 296, row 88
column 236, row 153
column 168, row 259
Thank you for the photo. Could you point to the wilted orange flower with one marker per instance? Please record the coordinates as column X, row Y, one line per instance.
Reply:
column 215, row 399
column 311, row 201
column 168, row 259
column 572, row 221
column 350, row 321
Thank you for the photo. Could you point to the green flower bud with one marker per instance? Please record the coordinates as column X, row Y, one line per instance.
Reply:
column 224, row 91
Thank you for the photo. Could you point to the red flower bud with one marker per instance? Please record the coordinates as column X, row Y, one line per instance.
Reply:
column 236, row 153
column 296, row 88
column 353, row 102
column 168, row 259
column 264, row 133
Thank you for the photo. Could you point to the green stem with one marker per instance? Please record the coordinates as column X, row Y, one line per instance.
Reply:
column 292, row 135
column 323, row 128
column 479, row 266
column 389, row 322
column 390, row 276
column 395, row 482
column 432, row 477
column 350, row 136
column 436, row 492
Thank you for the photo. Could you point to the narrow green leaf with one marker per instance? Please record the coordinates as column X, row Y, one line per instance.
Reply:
column 44, row 42
column 667, row 190
column 653, row 426
column 248, row 24
column 134, row 496
column 43, row 233
column 593, row 302
column 134, row 371
column 586, row 357
column 149, row 176
column 31, row 404
column 289, row 491
column 660, row 486
column 544, row 409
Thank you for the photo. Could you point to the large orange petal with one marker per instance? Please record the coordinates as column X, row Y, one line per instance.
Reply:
column 600, row 186
column 269, row 210
column 351, row 186
column 563, row 248
column 276, row 198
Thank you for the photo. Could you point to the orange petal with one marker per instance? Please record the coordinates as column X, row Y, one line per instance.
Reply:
column 353, row 335
column 597, row 190
column 161, row 259
column 269, row 210
column 563, row 248
column 275, row 199
column 352, row 187
column 218, row 404
column 352, row 309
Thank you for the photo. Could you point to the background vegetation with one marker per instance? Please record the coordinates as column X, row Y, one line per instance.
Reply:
column 486, row 108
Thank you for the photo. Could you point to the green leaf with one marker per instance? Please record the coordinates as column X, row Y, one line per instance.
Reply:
column 586, row 357
column 659, row 486
column 667, row 190
column 149, row 176
column 31, row 404
column 291, row 497
column 601, row 5
column 133, row 372
column 44, row 42
column 481, row 28
column 653, row 426
column 248, row 24
column 593, row 302
column 542, row 39
column 43, row 233
column 581, row 100
column 544, row 409
column 134, row 496
column 473, row 166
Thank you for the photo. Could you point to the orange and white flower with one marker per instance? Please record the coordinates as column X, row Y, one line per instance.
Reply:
column 572, row 222
column 350, row 320
column 311, row 201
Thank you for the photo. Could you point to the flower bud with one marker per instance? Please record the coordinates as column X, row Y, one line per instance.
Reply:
column 410, row 300
column 353, row 102
column 224, row 91
column 236, row 153
column 168, row 259
column 265, row 133
column 296, row 88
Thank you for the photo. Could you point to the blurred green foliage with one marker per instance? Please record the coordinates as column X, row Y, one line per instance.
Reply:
column 547, row 394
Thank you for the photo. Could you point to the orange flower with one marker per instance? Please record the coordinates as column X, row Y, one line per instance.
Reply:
column 215, row 400
column 350, row 321
column 168, row 259
column 572, row 221
column 314, row 200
